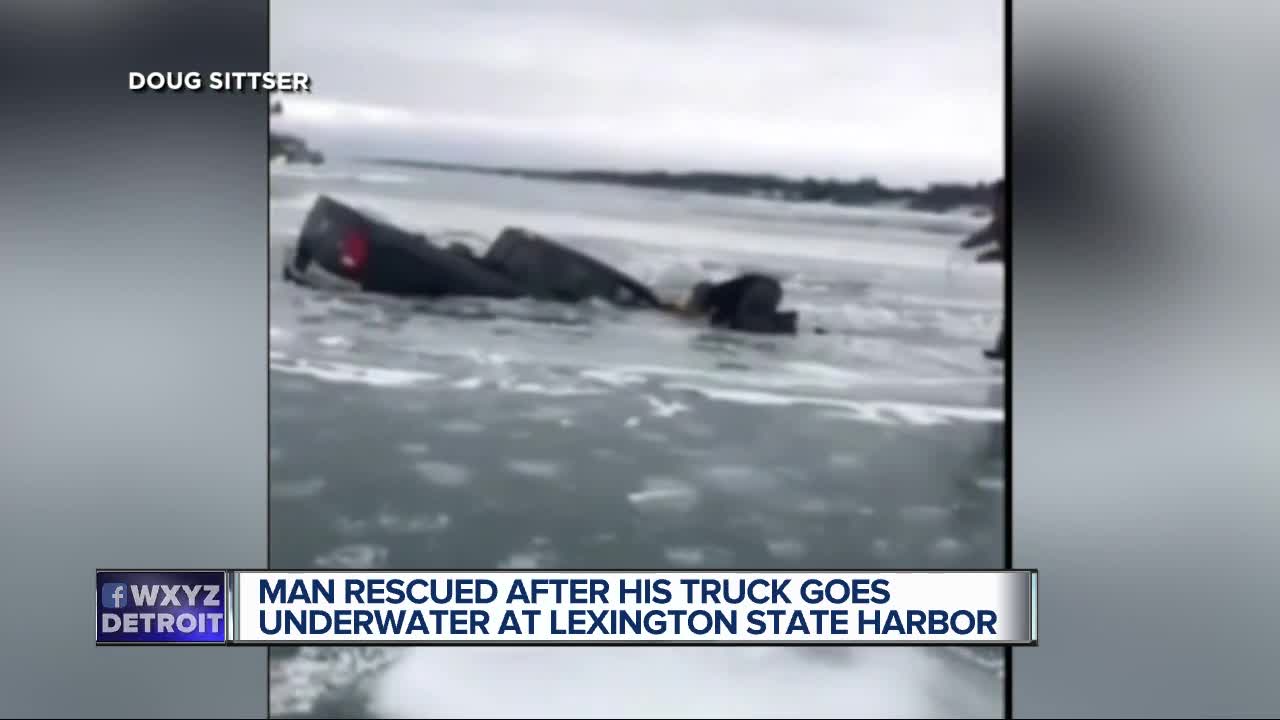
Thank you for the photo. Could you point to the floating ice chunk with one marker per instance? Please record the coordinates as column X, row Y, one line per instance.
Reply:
column 355, row 557
column 924, row 514
column 413, row 524
column 690, row 557
column 787, row 548
column 443, row 474
column 414, row 448
column 543, row 469
column 991, row 483
column 948, row 548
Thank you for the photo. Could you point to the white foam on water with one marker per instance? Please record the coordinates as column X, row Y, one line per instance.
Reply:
column 862, row 414
column 881, row 412
column 414, row 448
column 376, row 178
column 614, row 377
column 786, row 376
column 346, row 373
column 334, row 341
column 838, row 376
column 845, row 379
column 645, row 682
column 665, row 409
column 664, row 495
column 489, row 358
column 532, row 388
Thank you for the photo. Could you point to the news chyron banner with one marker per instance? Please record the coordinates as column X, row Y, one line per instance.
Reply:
column 151, row 607
column 255, row 607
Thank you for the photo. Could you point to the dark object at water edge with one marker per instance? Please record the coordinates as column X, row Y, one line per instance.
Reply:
column 375, row 256
column 343, row 248
column 292, row 148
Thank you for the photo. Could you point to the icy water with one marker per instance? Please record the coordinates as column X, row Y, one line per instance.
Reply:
column 471, row 433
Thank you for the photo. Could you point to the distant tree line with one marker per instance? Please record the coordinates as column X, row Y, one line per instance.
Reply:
column 936, row 197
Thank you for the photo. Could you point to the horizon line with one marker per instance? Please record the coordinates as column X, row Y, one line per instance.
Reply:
column 774, row 175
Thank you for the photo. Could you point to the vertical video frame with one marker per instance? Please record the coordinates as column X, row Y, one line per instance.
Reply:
column 625, row 285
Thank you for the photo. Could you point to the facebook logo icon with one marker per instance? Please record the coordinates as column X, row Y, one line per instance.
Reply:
column 115, row 595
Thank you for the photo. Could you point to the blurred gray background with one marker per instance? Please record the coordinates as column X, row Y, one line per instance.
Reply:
column 133, row 322
column 1144, row 371
column 133, row 421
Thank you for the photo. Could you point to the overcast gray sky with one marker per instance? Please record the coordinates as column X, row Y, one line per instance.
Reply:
column 911, row 91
